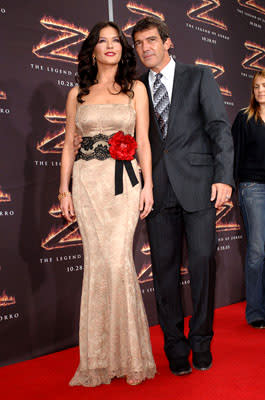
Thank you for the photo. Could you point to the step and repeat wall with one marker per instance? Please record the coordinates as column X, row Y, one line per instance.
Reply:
column 41, row 259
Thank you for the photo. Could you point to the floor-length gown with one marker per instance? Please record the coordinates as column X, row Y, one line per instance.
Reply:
column 114, row 336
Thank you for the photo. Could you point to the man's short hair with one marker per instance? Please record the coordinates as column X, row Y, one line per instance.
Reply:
column 152, row 22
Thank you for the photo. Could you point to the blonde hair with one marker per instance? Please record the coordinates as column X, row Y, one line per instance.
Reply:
column 253, row 107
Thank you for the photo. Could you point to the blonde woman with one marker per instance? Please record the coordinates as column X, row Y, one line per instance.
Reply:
column 249, row 140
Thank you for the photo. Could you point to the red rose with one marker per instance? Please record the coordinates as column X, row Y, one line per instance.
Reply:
column 122, row 147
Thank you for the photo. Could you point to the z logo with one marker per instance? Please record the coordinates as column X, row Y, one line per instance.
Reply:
column 252, row 5
column 2, row 95
column 66, row 236
column 217, row 71
column 4, row 197
column 53, row 143
column 6, row 300
column 221, row 214
column 60, row 47
column 146, row 274
column 201, row 13
column 252, row 62
column 143, row 12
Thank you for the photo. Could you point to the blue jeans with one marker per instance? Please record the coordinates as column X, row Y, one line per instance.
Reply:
column 252, row 203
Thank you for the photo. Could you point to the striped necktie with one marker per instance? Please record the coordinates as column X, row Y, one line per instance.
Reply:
column 161, row 104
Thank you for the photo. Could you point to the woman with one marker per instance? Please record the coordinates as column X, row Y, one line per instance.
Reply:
column 106, row 108
column 249, row 140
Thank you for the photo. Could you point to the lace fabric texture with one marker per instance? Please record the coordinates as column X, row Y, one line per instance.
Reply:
column 94, row 147
column 114, row 335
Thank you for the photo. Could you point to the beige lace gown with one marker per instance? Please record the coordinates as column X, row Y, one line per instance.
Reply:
column 114, row 335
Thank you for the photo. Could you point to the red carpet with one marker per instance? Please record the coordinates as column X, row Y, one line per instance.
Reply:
column 238, row 371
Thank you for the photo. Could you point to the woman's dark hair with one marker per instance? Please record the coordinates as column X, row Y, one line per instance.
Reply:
column 87, row 70
column 253, row 108
column 152, row 22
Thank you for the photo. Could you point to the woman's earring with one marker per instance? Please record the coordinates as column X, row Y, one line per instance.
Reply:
column 94, row 60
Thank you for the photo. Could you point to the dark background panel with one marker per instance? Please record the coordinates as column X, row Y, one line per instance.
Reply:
column 41, row 259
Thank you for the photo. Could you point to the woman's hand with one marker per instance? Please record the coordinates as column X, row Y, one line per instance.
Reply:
column 146, row 201
column 67, row 208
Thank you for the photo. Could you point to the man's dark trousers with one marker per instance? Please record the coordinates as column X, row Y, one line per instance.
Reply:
column 166, row 226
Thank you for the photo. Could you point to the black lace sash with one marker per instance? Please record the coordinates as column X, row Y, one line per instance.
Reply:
column 94, row 147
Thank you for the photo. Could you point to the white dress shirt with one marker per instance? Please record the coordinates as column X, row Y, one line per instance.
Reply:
column 168, row 73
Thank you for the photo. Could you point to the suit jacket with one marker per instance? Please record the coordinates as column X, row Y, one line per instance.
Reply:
column 198, row 150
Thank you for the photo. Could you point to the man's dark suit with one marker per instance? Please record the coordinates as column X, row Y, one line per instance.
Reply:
column 197, row 152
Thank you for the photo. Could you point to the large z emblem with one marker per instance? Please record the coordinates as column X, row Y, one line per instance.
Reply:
column 66, row 236
column 252, row 4
column 60, row 47
column 201, row 13
column 253, row 61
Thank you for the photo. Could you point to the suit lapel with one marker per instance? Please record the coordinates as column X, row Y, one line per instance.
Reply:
column 177, row 95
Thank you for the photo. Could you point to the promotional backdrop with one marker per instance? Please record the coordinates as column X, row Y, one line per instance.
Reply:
column 41, row 259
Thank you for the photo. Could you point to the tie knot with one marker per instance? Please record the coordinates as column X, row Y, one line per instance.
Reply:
column 158, row 76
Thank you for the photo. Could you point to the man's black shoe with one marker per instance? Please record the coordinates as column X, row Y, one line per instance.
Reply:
column 202, row 360
column 260, row 324
column 180, row 366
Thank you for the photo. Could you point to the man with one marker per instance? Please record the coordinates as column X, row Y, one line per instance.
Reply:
column 192, row 157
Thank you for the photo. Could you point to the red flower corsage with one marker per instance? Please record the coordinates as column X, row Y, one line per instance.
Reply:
column 122, row 147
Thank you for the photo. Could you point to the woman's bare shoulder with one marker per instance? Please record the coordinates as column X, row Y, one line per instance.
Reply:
column 72, row 94
column 139, row 85
column 139, row 88
column 71, row 102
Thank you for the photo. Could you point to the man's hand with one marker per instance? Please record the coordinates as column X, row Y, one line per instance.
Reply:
column 77, row 142
column 221, row 193
column 146, row 201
